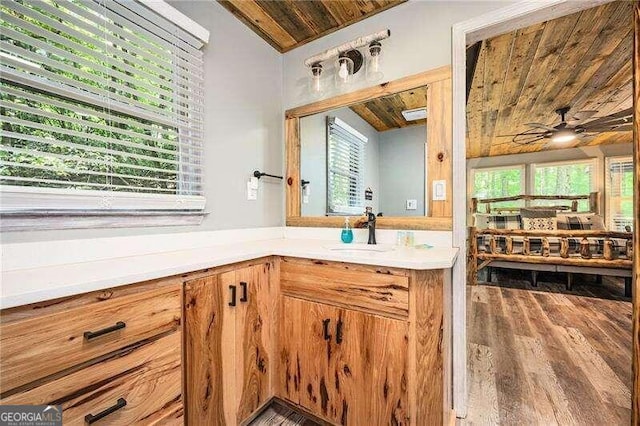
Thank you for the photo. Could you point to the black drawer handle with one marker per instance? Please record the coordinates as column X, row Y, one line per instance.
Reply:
column 88, row 335
column 339, row 332
column 325, row 329
column 244, row 296
column 90, row 418
column 233, row 295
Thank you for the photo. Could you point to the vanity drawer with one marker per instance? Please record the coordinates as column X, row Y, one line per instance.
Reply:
column 145, row 380
column 36, row 347
column 382, row 291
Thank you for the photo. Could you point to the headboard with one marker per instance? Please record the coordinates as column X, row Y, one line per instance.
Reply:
column 594, row 202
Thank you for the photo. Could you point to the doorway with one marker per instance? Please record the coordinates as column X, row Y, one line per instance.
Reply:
column 480, row 28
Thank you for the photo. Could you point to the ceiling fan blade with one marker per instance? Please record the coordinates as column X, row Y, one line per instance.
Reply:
column 619, row 117
column 524, row 139
column 582, row 115
column 605, row 129
column 541, row 126
column 523, row 134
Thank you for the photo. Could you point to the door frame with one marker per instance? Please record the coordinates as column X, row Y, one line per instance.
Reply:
column 503, row 20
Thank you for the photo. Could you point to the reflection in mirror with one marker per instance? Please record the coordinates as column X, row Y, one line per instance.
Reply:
column 371, row 154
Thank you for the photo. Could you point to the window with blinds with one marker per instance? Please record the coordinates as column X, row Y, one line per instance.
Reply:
column 101, row 107
column 619, row 192
column 345, row 168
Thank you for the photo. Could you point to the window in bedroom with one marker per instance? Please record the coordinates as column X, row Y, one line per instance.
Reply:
column 101, row 108
column 345, row 168
column 619, row 190
column 565, row 178
column 498, row 182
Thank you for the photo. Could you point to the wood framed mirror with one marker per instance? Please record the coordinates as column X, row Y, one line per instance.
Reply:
column 387, row 98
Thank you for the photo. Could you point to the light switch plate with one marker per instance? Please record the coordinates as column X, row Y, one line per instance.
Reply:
column 439, row 192
column 252, row 193
column 412, row 204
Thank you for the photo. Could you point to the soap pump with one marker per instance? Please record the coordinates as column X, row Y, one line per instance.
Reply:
column 347, row 232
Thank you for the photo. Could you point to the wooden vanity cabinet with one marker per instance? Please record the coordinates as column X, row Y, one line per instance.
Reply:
column 364, row 345
column 228, row 342
column 343, row 365
column 113, row 354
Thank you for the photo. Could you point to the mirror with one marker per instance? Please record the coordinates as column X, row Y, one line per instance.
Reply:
column 327, row 179
column 369, row 154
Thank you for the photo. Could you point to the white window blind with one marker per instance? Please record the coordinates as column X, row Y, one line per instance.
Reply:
column 101, row 106
column 619, row 192
column 345, row 168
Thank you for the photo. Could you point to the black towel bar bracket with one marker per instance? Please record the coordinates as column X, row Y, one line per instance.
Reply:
column 258, row 174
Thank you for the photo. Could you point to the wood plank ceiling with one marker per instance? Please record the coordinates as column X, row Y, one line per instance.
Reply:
column 583, row 61
column 287, row 24
column 386, row 113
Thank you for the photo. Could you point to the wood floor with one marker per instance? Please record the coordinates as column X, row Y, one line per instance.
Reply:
column 277, row 414
column 543, row 356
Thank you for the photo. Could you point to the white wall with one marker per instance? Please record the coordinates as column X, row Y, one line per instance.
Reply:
column 402, row 170
column 313, row 158
column 243, row 130
column 420, row 40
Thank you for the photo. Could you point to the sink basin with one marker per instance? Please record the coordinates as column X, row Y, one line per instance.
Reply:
column 376, row 248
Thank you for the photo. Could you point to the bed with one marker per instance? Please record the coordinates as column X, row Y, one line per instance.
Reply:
column 522, row 235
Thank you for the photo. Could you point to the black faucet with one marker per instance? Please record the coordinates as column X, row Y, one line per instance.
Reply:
column 371, row 225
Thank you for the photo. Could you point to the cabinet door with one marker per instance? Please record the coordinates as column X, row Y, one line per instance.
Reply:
column 358, row 376
column 305, row 354
column 210, row 351
column 253, row 340
column 384, row 348
column 368, row 370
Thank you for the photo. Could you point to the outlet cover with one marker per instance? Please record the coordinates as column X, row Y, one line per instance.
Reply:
column 412, row 204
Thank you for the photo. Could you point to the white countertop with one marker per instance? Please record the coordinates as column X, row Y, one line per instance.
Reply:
column 23, row 286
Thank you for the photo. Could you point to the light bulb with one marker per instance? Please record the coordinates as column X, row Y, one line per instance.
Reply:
column 317, row 87
column 563, row 136
column 343, row 73
column 374, row 66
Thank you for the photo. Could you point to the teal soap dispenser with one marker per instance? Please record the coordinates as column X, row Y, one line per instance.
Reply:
column 347, row 232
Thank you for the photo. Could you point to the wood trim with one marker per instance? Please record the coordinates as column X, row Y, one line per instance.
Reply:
column 369, row 93
column 555, row 233
column 594, row 200
column 595, row 263
column 415, row 222
column 426, row 352
column 292, row 177
column 439, row 146
column 635, row 399
column 442, row 220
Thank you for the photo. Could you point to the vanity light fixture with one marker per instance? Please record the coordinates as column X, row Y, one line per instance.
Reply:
column 316, row 78
column 349, row 61
column 374, row 62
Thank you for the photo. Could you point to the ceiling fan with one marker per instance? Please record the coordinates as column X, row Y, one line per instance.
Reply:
column 571, row 128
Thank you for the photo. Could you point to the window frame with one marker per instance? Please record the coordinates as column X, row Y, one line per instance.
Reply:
column 593, row 186
column 520, row 166
column 20, row 203
column 348, row 210
column 607, row 191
